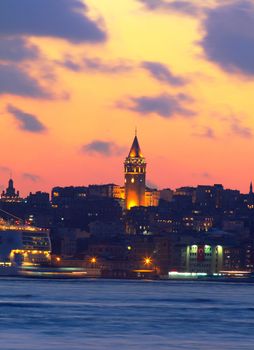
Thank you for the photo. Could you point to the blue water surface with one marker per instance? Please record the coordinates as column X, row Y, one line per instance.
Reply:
column 121, row 315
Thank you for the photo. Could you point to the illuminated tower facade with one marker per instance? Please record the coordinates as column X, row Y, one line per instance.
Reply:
column 135, row 176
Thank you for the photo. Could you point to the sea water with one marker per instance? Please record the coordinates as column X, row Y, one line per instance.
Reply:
column 121, row 315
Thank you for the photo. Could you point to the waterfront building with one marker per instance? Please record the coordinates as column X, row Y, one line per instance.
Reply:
column 23, row 244
column 202, row 258
column 135, row 176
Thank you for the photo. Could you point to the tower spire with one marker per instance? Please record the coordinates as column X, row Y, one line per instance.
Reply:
column 135, row 151
column 251, row 188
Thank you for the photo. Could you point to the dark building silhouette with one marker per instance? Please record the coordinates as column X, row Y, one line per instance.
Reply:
column 10, row 194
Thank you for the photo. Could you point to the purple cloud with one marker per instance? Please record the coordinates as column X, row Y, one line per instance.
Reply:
column 17, row 49
column 104, row 148
column 16, row 81
column 94, row 65
column 162, row 73
column 229, row 38
column 65, row 19
column 185, row 7
column 26, row 121
column 165, row 105
column 238, row 129
column 206, row 133
column 31, row 177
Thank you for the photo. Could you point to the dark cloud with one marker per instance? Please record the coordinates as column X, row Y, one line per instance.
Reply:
column 104, row 148
column 162, row 73
column 184, row 7
column 16, row 81
column 31, row 177
column 238, row 129
column 229, row 36
column 17, row 49
column 26, row 121
column 165, row 105
column 66, row 19
column 95, row 65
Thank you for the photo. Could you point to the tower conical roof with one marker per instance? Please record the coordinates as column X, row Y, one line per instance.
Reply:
column 135, row 151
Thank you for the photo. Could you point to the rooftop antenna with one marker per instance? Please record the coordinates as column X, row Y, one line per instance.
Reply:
column 136, row 131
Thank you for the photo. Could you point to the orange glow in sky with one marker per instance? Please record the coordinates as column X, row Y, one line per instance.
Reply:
column 158, row 69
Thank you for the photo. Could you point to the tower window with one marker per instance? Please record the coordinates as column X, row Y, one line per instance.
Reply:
column 132, row 180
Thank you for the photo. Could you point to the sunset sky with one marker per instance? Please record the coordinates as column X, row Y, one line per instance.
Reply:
column 77, row 77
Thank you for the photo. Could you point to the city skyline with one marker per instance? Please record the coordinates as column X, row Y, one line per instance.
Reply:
column 126, row 174
column 134, row 177
column 73, row 92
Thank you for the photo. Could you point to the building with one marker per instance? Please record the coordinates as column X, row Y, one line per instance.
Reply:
column 23, row 244
column 10, row 194
column 152, row 197
column 108, row 190
column 202, row 258
column 66, row 195
column 135, row 177
column 166, row 194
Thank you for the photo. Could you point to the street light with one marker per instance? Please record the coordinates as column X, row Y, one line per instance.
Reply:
column 147, row 261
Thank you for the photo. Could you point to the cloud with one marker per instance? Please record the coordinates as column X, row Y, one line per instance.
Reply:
column 5, row 169
column 95, row 65
column 26, row 121
column 104, row 148
column 238, row 129
column 204, row 174
column 70, row 64
column 229, row 36
column 65, row 19
column 17, row 49
column 185, row 7
column 162, row 73
column 206, row 133
column 31, row 177
column 164, row 105
column 16, row 81
column 98, row 65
